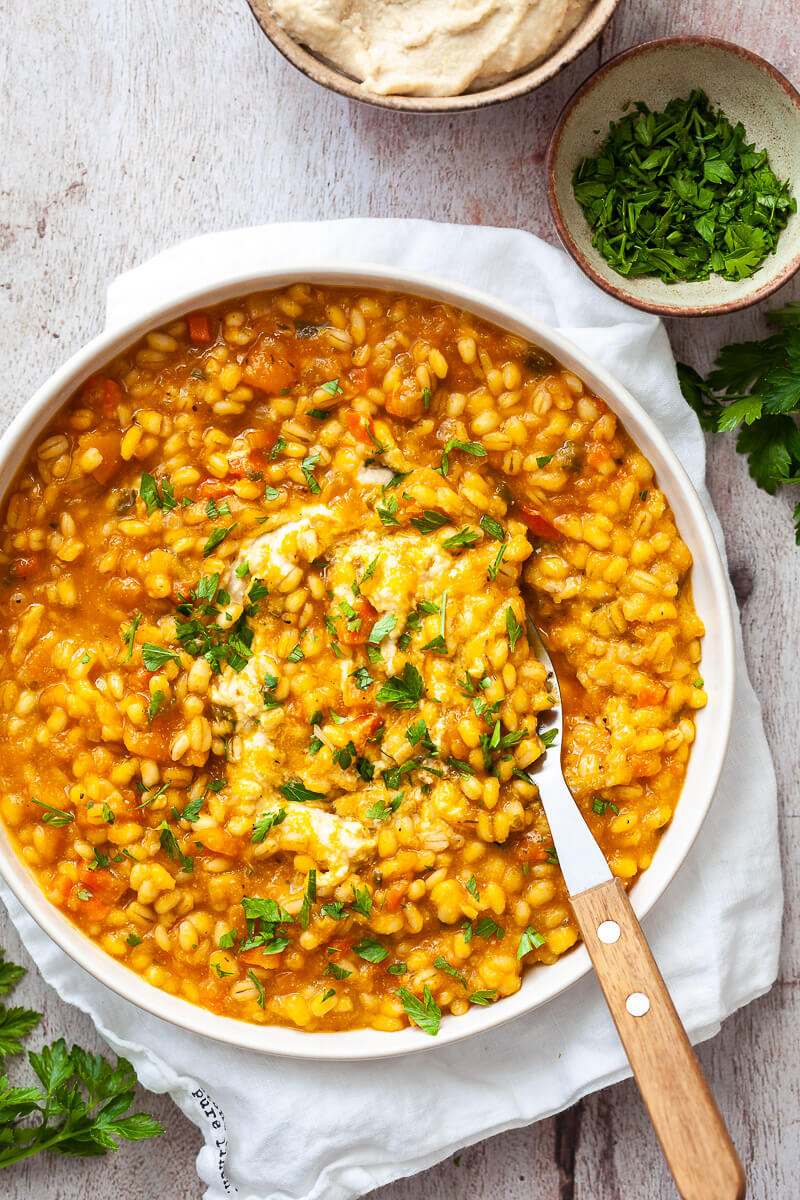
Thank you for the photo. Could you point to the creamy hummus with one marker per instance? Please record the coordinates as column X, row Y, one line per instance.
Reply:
column 430, row 47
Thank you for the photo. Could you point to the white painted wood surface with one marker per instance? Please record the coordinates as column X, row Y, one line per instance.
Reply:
column 128, row 125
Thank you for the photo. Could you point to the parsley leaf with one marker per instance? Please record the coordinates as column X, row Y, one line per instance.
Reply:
column 424, row 1013
column 295, row 790
column 403, row 691
column 215, row 538
column 429, row 521
column 513, row 628
column 473, row 448
column 371, row 950
column 442, row 964
column 492, row 527
column 530, row 940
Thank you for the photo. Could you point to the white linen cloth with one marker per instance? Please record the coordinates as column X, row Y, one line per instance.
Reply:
column 281, row 1129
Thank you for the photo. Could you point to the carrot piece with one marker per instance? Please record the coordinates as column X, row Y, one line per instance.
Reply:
column 108, row 443
column 266, row 368
column 653, row 692
column 395, row 895
column 217, row 840
column 363, row 620
column 360, row 427
column 530, row 849
column 199, row 328
column 215, row 488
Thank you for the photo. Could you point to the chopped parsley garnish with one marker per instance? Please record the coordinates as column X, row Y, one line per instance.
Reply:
column 108, row 815
column 296, row 790
column 465, row 537
column 380, row 810
column 429, row 521
column 548, row 737
column 485, row 996
column 473, row 448
column 326, row 995
column 442, row 964
column 332, row 387
column 53, row 816
column 261, row 998
column 491, row 572
column 266, row 822
column 403, row 691
column 216, row 537
column 426, row 397
column 472, row 887
column 153, row 499
column 335, row 910
column 277, row 449
column 362, row 900
column 680, row 194
column 487, row 927
column 362, row 678
column 214, row 511
column 192, row 810
column 169, row 844
column 271, row 493
column 133, row 940
column 371, row 950
column 382, row 628
column 424, row 1013
column 398, row 968
column 530, row 940
column 207, row 639
column 599, row 806
column 543, row 459
column 513, row 628
column 336, row 972
column 307, row 467
column 129, row 636
column 296, row 654
column 492, row 527
column 156, row 700
column 156, row 656
column 388, row 511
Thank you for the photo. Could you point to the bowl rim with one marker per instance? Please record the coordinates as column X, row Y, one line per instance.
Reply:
column 538, row 986
column 620, row 292
column 327, row 75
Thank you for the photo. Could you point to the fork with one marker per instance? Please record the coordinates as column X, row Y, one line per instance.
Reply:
column 684, row 1114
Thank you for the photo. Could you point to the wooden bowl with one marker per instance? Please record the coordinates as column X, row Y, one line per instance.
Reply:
column 331, row 77
column 747, row 89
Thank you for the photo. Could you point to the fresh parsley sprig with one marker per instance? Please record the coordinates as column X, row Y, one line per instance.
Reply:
column 81, row 1104
column 755, row 387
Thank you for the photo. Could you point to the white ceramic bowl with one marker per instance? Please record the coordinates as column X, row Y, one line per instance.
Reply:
column 713, row 724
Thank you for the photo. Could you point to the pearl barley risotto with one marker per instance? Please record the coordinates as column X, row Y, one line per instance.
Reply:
column 266, row 698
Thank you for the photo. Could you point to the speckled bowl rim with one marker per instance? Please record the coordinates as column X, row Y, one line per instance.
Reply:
column 711, row 590
column 328, row 76
column 564, row 233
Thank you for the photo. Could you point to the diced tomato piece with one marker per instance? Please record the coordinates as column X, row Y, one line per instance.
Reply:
column 217, row 840
column 361, row 427
column 25, row 567
column 262, row 439
column 530, row 848
column 267, row 368
column 149, row 743
column 653, row 692
column 539, row 525
column 199, row 328
column 364, row 619
column 60, row 889
column 91, row 909
column 396, row 894
column 213, row 487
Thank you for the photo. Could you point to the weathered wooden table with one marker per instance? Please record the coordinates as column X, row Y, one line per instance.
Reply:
column 130, row 125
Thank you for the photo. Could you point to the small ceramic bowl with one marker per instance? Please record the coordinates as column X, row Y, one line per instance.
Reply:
column 747, row 89
column 329, row 76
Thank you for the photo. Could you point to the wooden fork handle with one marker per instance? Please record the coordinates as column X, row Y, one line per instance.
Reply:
column 692, row 1133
